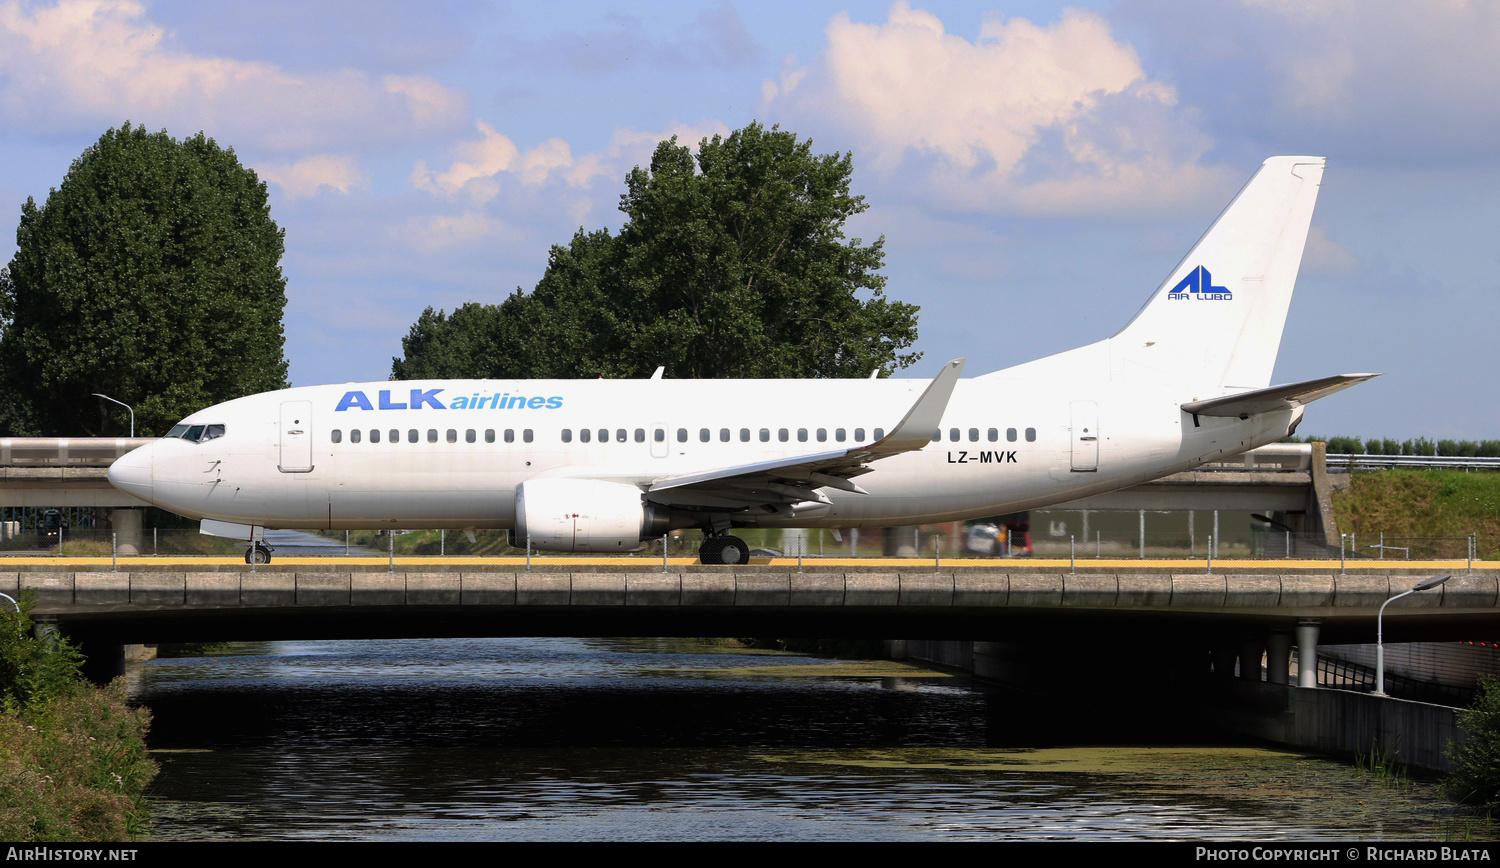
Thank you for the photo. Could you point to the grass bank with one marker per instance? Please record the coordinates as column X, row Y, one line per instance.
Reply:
column 1416, row 504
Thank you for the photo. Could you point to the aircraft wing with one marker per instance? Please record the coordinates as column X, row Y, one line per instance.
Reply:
column 782, row 482
column 1275, row 397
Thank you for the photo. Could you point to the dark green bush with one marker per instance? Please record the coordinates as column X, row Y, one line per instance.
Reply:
column 1476, row 761
column 73, row 760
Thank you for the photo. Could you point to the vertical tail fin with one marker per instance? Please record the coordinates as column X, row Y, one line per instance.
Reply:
column 1218, row 318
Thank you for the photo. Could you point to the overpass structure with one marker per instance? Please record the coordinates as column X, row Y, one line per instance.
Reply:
column 1251, row 607
column 53, row 472
column 1166, row 640
column 63, row 471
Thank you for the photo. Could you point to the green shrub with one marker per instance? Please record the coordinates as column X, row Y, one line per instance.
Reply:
column 73, row 760
column 1476, row 761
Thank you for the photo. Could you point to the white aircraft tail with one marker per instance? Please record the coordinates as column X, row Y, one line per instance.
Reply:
column 1218, row 317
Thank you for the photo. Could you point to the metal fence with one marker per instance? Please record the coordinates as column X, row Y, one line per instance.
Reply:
column 1369, row 463
column 941, row 543
column 1337, row 671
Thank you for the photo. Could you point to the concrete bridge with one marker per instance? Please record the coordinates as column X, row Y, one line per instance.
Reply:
column 1254, row 606
column 1166, row 641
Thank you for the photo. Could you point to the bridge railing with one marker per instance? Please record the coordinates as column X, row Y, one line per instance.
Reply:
column 1370, row 463
column 915, row 543
column 79, row 451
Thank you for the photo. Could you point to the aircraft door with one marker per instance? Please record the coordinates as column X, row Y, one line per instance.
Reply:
column 1085, row 433
column 296, row 437
column 660, row 446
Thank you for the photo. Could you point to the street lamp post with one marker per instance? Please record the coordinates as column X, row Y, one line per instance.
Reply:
column 1424, row 585
column 122, row 404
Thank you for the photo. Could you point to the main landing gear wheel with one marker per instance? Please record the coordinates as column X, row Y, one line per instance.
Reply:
column 724, row 550
column 260, row 553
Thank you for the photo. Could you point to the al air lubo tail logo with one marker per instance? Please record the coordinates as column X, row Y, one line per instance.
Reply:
column 1199, row 284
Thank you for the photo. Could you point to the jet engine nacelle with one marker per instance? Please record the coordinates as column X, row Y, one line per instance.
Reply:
column 583, row 515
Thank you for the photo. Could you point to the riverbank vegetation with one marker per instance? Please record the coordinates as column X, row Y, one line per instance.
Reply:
column 73, row 760
column 1475, row 780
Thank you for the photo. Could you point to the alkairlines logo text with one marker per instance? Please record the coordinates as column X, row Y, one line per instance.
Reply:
column 419, row 399
column 1199, row 284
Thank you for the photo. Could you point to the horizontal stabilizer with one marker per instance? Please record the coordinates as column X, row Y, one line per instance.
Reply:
column 1275, row 397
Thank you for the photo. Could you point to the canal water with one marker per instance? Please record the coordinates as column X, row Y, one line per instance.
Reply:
column 595, row 739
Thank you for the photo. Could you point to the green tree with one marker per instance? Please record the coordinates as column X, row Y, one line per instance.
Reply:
column 1345, row 446
column 732, row 263
column 1418, row 446
column 152, row 275
column 440, row 346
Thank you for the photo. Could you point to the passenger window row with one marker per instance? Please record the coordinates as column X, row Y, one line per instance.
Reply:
column 992, row 435
column 783, row 435
column 724, row 435
column 638, row 435
column 414, row 435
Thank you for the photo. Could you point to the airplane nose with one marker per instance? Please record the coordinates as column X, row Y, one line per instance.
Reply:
column 132, row 473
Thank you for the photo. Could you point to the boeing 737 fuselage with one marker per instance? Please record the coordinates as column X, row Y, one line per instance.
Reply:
column 600, row 465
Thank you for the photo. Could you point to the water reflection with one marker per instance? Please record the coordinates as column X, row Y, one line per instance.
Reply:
column 567, row 739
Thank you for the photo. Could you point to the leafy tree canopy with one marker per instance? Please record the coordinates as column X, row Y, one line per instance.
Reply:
column 733, row 263
column 152, row 275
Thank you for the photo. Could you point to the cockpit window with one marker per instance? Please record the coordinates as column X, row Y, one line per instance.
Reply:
column 196, row 433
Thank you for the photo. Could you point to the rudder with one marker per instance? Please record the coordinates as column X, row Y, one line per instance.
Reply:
column 1218, row 317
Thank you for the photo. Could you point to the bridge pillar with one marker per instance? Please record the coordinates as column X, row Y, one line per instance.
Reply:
column 1251, row 649
column 1278, row 657
column 126, row 524
column 1307, row 653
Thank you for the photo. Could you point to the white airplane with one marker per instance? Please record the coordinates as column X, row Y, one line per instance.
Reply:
column 601, row 465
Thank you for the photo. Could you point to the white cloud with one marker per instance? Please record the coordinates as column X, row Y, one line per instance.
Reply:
column 1052, row 119
column 79, row 64
column 445, row 232
column 480, row 166
column 480, row 163
column 305, row 177
column 429, row 103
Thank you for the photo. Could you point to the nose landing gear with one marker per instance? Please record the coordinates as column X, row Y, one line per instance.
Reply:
column 260, row 553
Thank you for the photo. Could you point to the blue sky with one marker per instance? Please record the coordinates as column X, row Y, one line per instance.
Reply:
column 1036, row 168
